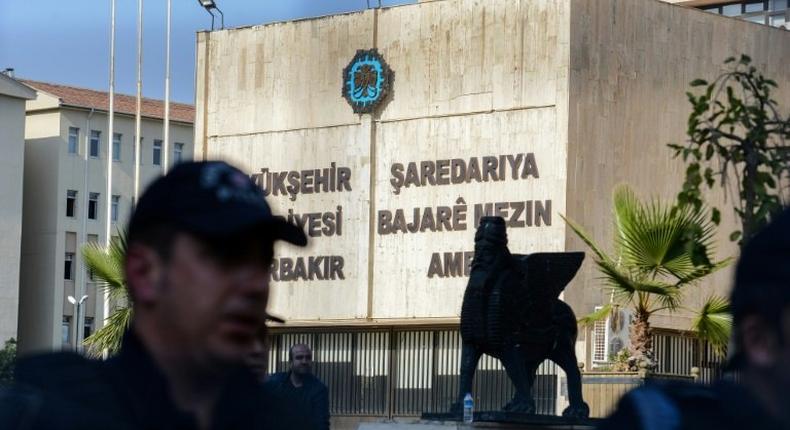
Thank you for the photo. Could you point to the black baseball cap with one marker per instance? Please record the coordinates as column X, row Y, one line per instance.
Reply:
column 211, row 199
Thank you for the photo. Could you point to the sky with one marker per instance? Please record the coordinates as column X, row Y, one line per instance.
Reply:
column 67, row 42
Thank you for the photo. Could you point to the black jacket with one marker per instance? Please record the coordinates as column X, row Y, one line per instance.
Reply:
column 128, row 391
column 303, row 408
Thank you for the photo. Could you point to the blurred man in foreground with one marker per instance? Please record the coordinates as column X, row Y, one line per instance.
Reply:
column 258, row 358
column 300, row 393
column 760, row 399
column 200, row 245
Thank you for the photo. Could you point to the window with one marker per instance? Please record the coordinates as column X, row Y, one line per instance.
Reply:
column 74, row 138
column 771, row 12
column 157, row 155
column 71, row 202
column 599, row 340
column 116, row 147
column 93, row 206
column 68, row 267
column 114, row 208
column 65, row 330
column 754, row 7
column 178, row 152
column 731, row 9
column 88, row 327
column 95, row 142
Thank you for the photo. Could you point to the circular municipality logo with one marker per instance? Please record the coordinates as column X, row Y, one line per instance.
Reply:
column 366, row 81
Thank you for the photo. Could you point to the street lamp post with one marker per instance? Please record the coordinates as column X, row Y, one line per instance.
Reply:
column 210, row 5
column 77, row 319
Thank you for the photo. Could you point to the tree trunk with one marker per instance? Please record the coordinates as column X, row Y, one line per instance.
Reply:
column 641, row 343
column 749, row 194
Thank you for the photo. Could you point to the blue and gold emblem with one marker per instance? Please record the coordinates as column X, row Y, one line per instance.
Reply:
column 366, row 81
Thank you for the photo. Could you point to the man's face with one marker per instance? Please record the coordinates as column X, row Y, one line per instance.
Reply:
column 212, row 309
column 767, row 348
column 302, row 360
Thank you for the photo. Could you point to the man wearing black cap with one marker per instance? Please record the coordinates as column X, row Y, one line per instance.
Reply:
column 200, row 245
column 760, row 397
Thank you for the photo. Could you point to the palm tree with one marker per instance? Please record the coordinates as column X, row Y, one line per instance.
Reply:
column 660, row 251
column 106, row 265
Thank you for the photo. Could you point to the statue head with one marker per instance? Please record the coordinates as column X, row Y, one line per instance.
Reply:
column 491, row 234
column 491, row 229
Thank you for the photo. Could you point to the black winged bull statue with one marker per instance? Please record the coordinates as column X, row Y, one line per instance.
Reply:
column 512, row 311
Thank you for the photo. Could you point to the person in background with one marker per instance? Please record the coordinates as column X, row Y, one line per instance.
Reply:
column 301, row 393
column 759, row 397
column 200, row 247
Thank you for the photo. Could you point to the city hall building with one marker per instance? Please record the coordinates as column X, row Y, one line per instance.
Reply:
column 387, row 133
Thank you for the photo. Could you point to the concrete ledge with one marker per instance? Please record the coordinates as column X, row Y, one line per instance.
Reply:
column 500, row 419
column 484, row 419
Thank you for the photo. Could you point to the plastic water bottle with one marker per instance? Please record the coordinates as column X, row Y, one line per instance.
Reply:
column 469, row 406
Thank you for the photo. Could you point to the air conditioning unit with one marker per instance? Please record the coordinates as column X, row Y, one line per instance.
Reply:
column 611, row 335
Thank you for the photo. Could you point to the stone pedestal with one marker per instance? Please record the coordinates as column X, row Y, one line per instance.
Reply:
column 499, row 419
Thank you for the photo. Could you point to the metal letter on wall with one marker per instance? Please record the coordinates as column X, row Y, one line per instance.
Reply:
column 366, row 81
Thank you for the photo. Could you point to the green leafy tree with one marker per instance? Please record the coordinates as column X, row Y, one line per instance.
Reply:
column 7, row 360
column 106, row 265
column 737, row 139
column 660, row 251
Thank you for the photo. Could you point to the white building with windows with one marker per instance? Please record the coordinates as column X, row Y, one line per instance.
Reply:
column 66, row 149
column 767, row 12
column 13, row 96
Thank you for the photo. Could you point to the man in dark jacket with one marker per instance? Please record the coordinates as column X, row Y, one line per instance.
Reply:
column 200, row 246
column 300, row 393
column 760, row 396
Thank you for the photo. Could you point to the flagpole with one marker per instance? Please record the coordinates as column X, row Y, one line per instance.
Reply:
column 137, row 118
column 166, row 148
column 110, row 124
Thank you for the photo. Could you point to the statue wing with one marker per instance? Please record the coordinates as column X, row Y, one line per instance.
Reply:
column 547, row 273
